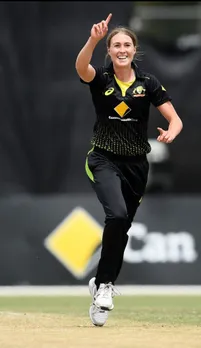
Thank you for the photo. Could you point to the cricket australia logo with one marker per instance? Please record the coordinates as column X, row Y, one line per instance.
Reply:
column 139, row 91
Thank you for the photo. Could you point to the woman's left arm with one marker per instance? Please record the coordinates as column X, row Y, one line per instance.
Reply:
column 175, row 123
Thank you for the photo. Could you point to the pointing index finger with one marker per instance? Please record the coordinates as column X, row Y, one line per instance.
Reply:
column 108, row 18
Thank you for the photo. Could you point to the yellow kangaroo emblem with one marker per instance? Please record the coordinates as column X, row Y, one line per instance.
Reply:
column 139, row 90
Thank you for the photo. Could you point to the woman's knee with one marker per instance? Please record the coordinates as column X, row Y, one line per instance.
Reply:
column 119, row 217
column 117, row 213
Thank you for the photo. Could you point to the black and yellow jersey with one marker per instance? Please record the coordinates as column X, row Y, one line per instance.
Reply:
column 122, row 110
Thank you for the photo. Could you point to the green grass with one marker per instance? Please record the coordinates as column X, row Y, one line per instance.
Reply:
column 173, row 310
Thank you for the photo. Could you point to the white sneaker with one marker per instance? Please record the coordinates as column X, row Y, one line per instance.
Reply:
column 104, row 296
column 97, row 315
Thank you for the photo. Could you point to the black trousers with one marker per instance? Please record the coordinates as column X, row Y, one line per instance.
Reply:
column 119, row 183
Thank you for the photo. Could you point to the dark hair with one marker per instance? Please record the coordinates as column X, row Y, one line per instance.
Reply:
column 125, row 31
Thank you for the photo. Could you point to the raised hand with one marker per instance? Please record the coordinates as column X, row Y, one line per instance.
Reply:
column 99, row 30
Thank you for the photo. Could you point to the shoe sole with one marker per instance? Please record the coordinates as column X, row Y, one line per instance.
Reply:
column 106, row 308
column 91, row 287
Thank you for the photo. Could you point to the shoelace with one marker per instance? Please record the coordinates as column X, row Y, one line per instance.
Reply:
column 108, row 289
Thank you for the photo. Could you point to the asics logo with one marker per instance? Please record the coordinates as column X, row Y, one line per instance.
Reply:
column 109, row 91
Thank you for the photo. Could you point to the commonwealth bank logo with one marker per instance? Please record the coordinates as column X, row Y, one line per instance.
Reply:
column 122, row 109
column 76, row 242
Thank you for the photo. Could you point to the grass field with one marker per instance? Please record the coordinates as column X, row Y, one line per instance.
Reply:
column 135, row 322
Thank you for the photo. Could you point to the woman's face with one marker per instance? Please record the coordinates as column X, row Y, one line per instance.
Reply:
column 121, row 50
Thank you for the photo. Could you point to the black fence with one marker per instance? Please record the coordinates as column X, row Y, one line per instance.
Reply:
column 57, row 240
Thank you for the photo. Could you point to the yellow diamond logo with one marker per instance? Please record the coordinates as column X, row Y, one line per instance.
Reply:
column 122, row 109
column 75, row 242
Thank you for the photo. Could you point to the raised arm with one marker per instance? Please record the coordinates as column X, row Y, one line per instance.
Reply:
column 175, row 123
column 82, row 65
